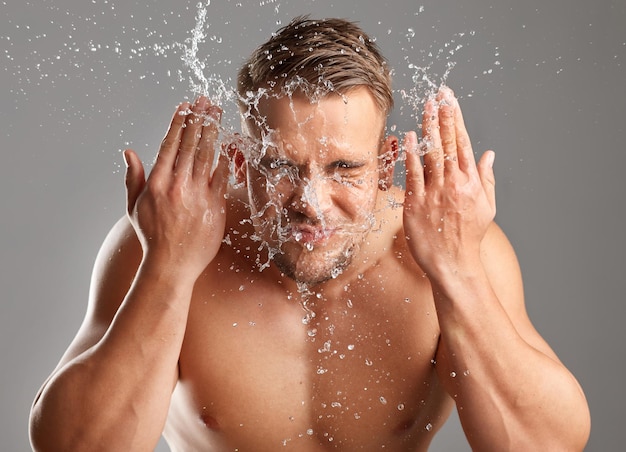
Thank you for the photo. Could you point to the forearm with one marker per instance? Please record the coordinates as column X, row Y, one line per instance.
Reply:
column 116, row 394
column 509, row 394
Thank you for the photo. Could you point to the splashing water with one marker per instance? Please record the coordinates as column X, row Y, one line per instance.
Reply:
column 132, row 46
column 211, row 86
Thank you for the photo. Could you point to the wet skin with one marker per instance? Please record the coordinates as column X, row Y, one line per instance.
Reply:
column 328, row 310
column 256, row 370
column 360, row 374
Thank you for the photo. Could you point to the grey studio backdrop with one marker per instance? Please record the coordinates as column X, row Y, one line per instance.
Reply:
column 541, row 83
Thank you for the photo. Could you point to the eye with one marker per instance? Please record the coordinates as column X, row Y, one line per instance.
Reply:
column 274, row 163
column 278, row 163
column 346, row 165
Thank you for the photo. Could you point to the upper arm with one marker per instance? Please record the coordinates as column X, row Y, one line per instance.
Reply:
column 114, row 270
column 504, row 274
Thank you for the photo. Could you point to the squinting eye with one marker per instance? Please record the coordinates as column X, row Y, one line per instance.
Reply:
column 277, row 163
column 343, row 164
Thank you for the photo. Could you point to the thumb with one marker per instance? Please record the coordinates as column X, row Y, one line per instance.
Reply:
column 135, row 178
column 221, row 172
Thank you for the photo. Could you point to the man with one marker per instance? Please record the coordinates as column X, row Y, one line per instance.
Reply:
column 310, row 304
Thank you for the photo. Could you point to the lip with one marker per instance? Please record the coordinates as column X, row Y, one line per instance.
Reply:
column 310, row 234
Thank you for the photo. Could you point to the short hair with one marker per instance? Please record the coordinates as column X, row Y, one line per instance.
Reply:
column 331, row 55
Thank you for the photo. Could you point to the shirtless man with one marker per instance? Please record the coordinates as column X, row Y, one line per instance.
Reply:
column 309, row 305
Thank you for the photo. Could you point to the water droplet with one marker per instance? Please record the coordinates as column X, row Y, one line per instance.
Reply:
column 351, row 347
column 429, row 427
column 325, row 348
column 400, row 406
column 383, row 400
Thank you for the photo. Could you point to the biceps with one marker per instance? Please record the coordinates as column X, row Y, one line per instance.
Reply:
column 503, row 271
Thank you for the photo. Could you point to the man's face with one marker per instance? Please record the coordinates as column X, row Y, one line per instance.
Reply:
column 313, row 187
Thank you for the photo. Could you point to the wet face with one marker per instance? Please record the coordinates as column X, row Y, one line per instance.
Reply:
column 312, row 187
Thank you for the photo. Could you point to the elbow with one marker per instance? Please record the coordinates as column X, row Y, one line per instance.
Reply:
column 43, row 433
column 40, row 439
column 581, row 429
column 571, row 434
column 54, row 421
column 578, row 421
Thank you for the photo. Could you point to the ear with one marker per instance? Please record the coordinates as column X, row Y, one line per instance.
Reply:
column 387, row 157
column 238, row 160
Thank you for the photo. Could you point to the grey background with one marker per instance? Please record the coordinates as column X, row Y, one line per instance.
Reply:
column 541, row 82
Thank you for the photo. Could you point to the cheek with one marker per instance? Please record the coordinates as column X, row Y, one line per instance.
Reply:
column 358, row 199
column 266, row 198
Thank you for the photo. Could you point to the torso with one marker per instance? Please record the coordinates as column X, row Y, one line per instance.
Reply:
column 360, row 375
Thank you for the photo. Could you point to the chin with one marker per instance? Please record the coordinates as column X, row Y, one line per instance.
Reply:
column 316, row 266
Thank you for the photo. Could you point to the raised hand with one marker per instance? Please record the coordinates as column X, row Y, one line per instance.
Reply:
column 179, row 212
column 450, row 200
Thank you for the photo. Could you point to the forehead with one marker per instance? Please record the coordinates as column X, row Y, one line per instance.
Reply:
column 346, row 122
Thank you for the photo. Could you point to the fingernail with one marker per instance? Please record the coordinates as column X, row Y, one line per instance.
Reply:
column 125, row 158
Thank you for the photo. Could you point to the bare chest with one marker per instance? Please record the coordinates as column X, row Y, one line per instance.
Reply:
column 261, row 369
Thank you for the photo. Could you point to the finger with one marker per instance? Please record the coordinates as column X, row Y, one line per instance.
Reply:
column 205, row 156
column 447, row 128
column 191, row 137
column 487, row 177
column 166, row 157
column 433, row 152
column 219, row 178
column 135, row 179
column 414, row 168
column 466, row 160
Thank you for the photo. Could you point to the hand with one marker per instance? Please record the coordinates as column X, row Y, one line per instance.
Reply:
column 450, row 201
column 179, row 212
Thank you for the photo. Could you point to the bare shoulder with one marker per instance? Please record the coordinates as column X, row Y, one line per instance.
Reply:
column 114, row 270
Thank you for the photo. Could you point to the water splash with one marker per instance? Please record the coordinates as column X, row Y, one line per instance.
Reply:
column 210, row 85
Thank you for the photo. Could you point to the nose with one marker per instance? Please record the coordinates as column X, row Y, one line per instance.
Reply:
column 311, row 196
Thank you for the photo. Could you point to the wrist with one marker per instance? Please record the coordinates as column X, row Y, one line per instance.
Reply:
column 458, row 279
column 166, row 268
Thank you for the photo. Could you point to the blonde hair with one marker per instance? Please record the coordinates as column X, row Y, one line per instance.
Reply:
column 331, row 55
